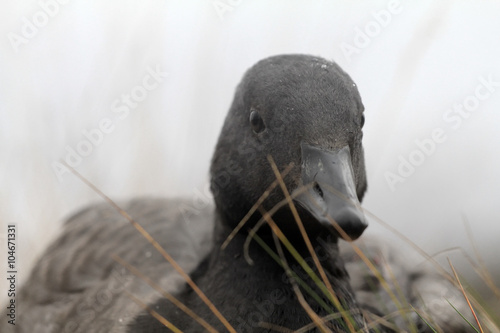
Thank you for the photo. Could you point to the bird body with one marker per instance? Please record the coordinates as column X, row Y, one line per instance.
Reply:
column 297, row 113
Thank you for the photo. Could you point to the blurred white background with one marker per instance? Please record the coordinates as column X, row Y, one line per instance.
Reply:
column 64, row 65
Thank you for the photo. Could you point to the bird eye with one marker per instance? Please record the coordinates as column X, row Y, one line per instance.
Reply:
column 362, row 121
column 256, row 122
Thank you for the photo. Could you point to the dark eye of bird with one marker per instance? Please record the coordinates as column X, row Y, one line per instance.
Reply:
column 362, row 121
column 256, row 122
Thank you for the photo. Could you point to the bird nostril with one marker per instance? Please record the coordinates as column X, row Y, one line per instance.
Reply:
column 318, row 189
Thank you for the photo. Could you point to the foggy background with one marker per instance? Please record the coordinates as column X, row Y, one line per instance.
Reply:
column 64, row 66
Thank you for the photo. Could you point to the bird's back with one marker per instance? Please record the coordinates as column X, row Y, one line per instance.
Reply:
column 78, row 287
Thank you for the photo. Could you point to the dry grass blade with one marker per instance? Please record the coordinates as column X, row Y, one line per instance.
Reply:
column 262, row 221
column 368, row 263
column 315, row 318
column 417, row 248
column 328, row 318
column 404, row 303
column 374, row 321
column 168, row 296
column 297, row 278
column 465, row 295
column 360, row 253
column 158, row 247
column 251, row 235
column 488, row 316
column 428, row 257
column 306, row 237
column 254, row 207
column 155, row 314
column 276, row 231
column 482, row 270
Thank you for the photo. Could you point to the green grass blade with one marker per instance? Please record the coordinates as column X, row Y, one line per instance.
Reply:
column 301, row 282
column 425, row 321
column 461, row 315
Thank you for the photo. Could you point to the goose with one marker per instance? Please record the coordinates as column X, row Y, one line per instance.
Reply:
column 291, row 142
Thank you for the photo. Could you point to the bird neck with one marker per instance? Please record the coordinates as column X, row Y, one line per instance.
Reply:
column 261, row 292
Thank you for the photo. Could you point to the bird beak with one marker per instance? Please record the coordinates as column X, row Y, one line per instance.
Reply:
column 329, row 192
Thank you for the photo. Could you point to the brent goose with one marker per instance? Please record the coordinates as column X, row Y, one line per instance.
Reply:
column 296, row 118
